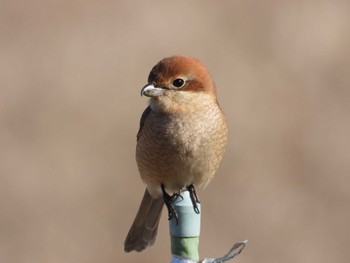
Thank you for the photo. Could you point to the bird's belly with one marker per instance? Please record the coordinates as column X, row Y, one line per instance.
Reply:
column 178, row 154
column 175, row 167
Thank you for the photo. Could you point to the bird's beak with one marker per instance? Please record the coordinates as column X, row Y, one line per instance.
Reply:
column 151, row 91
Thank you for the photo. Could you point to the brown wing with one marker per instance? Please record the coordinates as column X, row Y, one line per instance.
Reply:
column 142, row 121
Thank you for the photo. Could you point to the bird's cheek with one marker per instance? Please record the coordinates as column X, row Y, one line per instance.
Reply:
column 169, row 93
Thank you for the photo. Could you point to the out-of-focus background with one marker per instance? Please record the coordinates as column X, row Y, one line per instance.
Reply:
column 70, row 80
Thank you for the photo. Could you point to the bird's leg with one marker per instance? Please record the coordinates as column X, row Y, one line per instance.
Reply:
column 168, row 200
column 194, row 198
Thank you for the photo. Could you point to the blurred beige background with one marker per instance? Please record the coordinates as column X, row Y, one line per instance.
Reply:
column 70, row 77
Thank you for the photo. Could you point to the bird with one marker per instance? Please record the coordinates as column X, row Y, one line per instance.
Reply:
column 180, row 143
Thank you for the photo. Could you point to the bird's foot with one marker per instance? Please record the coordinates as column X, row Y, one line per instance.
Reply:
column 194, row 198
column 169, row 202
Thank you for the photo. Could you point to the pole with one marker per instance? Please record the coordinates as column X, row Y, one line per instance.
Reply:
column 185, row 233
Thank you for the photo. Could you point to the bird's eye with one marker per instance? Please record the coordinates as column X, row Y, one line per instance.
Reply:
column 178, row 83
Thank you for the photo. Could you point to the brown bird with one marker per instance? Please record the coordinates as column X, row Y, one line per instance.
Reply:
column 180, row 143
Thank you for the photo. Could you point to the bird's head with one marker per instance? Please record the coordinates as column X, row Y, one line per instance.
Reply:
column 177, row 82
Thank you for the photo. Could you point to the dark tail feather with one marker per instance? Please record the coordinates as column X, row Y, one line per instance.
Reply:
column 143, row 231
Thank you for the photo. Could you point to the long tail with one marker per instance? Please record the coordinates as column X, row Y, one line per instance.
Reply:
column 143, row 231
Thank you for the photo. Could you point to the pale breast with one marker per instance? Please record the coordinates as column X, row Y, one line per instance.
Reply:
column 179, row 149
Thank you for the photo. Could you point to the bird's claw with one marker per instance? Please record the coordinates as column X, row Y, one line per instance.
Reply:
column 169, row 202
column 194, row 198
